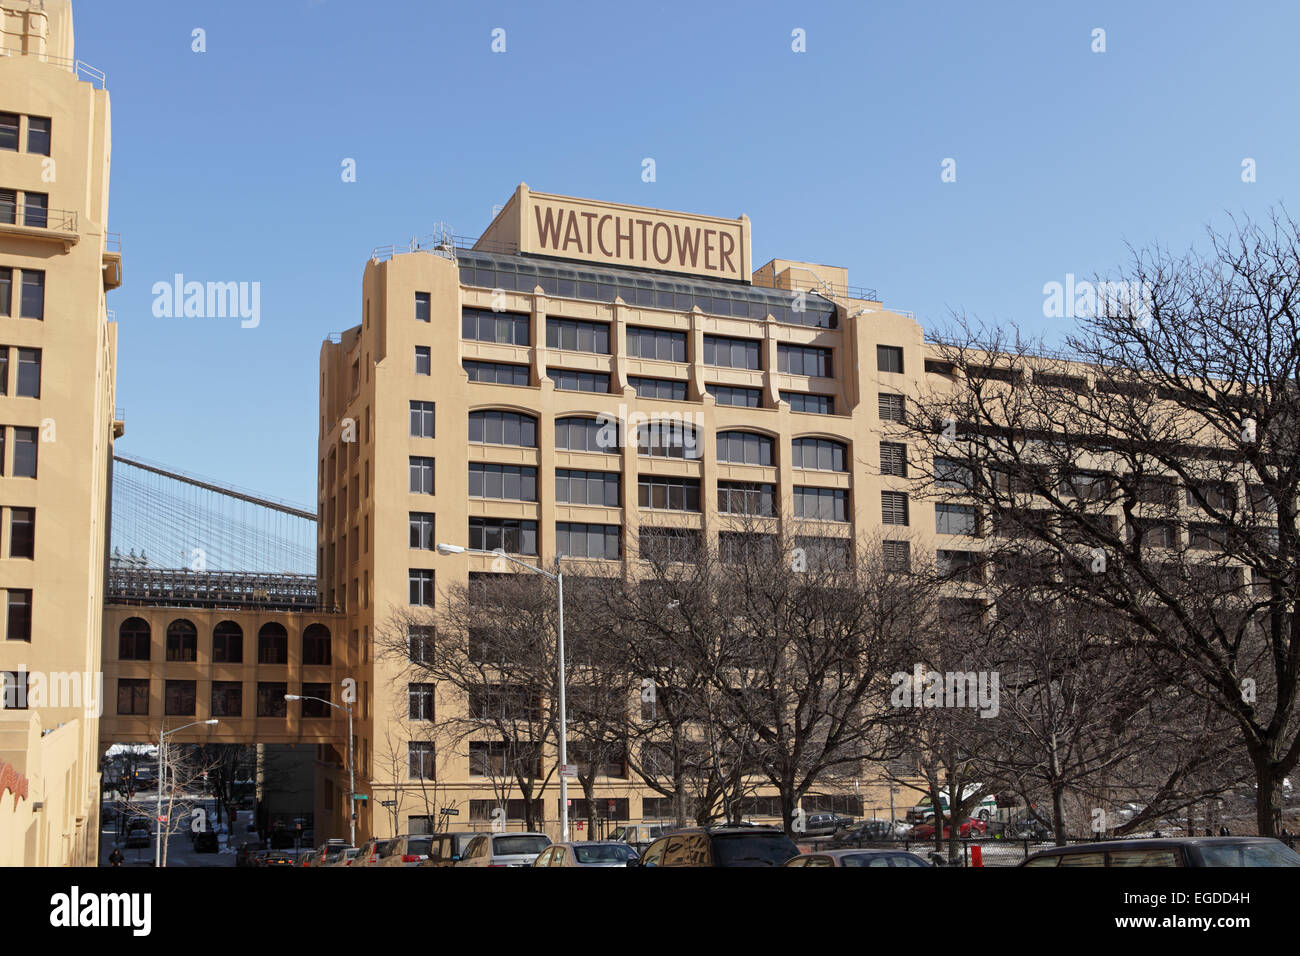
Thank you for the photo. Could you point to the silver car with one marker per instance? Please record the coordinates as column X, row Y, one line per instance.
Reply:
column 589, row 853
column 504, row 849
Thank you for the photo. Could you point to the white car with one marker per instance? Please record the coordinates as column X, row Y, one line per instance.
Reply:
column 504, row 849
column 590, row 853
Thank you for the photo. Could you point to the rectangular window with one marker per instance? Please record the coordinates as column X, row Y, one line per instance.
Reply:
column 180, row 698
column 962, row 566
column 826, row 554
column 744, row 448
column 32, row 305
column 889, row 358
column 421, row 582
column 955, row 519
column 422, row 419
column 503, row 482
column 419, row 639
column 820, row 454
column 732, row 353
column 896, row 555
column 803, row 360
column 22, row 532
column 8, row 206
column 574, row 335
column 422, row 360
column 422, row 312
column 421, row 475
column 738, row 547
column 809, row 404
column 38, row 135
column 6, row 290
column 24, row 453
column 949, row 473
column 746, row 498
column 36, row 207
column 421, row 765
column 513, row 535
column 270, row 699
column 421, row 526
column 587, row 540
column 4, row 370
column 19, row 625
column 496, row 373
column 663, row 388
column 670, row 494
column 227, row 698
column 599, row 488
column 893, row 459
column 821, row 504
column 133, row 696
column 9, row 131
column 501, row 328
column 568, row 380
column 669, row 544
column 318, row 708
column 893, row 507
column 892, row 407
column 661, row 344
column 732, row 395
column 29, row 373
column 419, row 699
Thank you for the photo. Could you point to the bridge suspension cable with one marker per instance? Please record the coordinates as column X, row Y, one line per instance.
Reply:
column 165, row 518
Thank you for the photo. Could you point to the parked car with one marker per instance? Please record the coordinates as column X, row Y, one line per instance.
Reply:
column 894, row 858
column 968, row 828
column 588, row 853
column 307, row 858
column 345, row 858
column 720, row 846
column 277, row 858
column 328, row 853
column 872, row 831
column 504, row 849
column 448, row 848
column 138, row 835
column 206, row 842
column 824, row 824
column 407, row 850
column 986, row 809
column 370, row 852
column 1171, row 851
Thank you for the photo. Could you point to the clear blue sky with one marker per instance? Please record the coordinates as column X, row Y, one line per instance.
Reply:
column 226, row 164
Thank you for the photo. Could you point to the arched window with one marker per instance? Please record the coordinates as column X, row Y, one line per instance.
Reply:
column 744, row 448
column 316, row 644
column 492, row 427
column 586, row 434
column 227, row 643
column 822, row 454
column 182, row 641
column 133, row 640
column 272, row 644
column 668, row 438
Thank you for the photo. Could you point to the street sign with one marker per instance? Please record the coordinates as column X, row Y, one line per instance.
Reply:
column 450, row 812
column 568, row 770
column 359, row 796
column 388, row 803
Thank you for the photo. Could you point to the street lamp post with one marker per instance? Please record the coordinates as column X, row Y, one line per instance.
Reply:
column 558, row 578
column 352, row 779
column 162, row 744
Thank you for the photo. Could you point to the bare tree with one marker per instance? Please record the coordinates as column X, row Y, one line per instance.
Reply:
column 1158, row 475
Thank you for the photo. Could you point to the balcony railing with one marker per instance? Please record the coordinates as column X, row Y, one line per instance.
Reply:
column 29, row 214
column 82, row 69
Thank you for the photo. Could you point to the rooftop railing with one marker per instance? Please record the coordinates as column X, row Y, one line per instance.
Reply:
column 82, row 69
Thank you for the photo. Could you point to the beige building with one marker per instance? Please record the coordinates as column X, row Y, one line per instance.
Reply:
column 57, row 426
column 464, row 408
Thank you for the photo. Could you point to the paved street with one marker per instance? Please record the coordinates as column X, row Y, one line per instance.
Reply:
column 180, row 849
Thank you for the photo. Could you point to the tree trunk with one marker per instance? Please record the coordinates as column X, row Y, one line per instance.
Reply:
column 1268, row 798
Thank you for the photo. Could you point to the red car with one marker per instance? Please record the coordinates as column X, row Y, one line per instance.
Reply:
column 968, row 829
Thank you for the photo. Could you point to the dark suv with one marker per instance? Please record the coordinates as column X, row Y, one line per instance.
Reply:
column 720, row 846
column 1171, row 851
